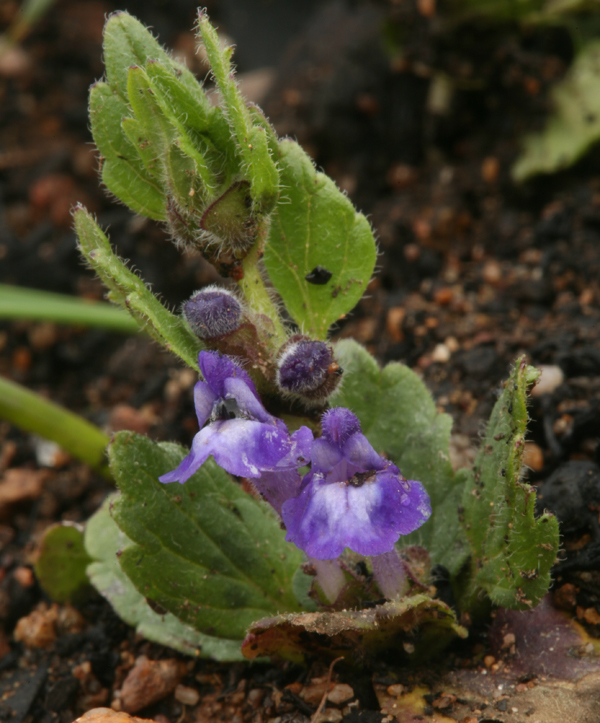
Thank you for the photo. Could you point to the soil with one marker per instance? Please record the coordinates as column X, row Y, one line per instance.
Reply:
column 473, row 271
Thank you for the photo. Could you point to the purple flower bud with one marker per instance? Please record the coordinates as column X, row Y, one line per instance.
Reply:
column 307, row 368
column 212, row 312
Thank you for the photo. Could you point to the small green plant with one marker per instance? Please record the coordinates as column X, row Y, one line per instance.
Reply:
column 351, row 497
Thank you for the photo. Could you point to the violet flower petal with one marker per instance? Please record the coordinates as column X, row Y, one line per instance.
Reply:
column 238, row 389
column 204, row 399
column 339, row 424
column 327, row 517
column 216, row 368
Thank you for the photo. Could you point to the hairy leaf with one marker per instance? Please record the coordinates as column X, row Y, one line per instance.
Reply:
column 61, row 563
column 104, row 542
column 129, row 291
column 123, row 170
column 315, row 225
column 400, row 419
column 512, row 551
column 206, row 551
column 252, row 140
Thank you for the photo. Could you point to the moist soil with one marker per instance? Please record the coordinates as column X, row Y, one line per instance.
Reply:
column 473, row 271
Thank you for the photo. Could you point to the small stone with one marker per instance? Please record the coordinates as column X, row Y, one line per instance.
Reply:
column 552, row 377
column 508, row 640
column 24, row 576
column 313, row 692
column 340, row 694
column 533, row 457
column 441, row 354
column 489, row 660
column 452, row 343
column 20, row 484
column 187, row 696
column 443, row 296
column 107, row 715
column 492, row 272
column 490, row 168
column 38, row 629
column 393, row 323
column 329, row 715
column 591, row 616
column 149, row 681
column 397, row 689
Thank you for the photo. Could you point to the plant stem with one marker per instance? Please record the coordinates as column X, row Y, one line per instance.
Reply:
column 330, row 577
column 254, row 289
column 32, row 413
column 389, row 574
column 21, row 303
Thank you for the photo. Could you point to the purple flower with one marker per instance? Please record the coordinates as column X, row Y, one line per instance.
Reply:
column 241, row 435
column 352, row 497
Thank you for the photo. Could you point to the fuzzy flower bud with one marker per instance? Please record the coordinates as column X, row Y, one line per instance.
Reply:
column 308, row 369
column 212, row 312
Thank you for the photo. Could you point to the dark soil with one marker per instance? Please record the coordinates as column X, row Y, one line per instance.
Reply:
column 473, row 271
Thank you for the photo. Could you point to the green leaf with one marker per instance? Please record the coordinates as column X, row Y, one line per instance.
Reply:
column 187, row 103
column 206, row 551
column 130, row 291
column 574, row 125
column 400, row 419
column 123, row 171
column 127, row 43
column 104, row 542
column 61, row 563
column 252, row 140
column 363, row 634
column 316, row 225
column 512, row 551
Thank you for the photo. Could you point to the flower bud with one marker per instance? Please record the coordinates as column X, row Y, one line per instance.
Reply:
column 212, row 312
column 308, row 369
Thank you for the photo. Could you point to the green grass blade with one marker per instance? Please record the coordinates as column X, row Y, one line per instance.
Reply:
column 32, row 413
column 17, row 302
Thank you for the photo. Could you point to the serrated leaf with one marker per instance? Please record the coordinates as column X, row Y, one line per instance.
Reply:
column 103, row 542
column 316, row 225
column 129, row 291
column 252, row 144
column 574, row 125
column 127, row 42
column 187, row 101
column 512, row 551
column 358, row 634
column 123, row 171
column 61, row 563
column 400, row 419
column 206, row 551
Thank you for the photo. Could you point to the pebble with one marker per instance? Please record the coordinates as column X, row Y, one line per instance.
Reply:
column 149, row 681
column 19, row 484
column 340, row 694
column 107, row 715
column 187, row 696
column 441, row 354
column 38, row 629
column 552, row 377
column 533, row 457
